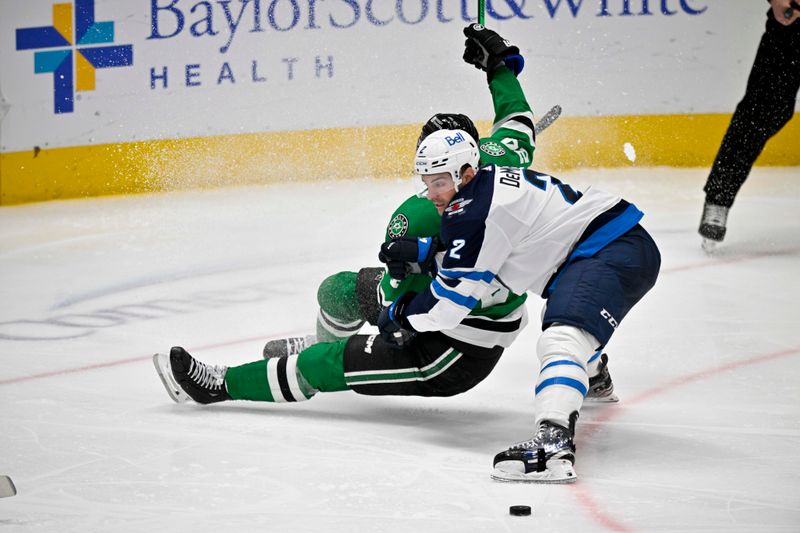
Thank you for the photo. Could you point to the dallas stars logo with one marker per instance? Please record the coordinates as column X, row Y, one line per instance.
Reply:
column 398, row 226
column 493, row 149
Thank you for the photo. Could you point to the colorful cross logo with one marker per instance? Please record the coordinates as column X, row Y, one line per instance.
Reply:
column 79, row 33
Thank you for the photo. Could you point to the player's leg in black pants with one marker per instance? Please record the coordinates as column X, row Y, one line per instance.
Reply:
column 433, row 365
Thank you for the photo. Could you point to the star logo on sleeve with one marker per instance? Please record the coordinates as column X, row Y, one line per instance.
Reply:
column 398, row 226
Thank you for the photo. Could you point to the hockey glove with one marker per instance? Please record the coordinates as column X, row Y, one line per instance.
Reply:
column 393, row 326
column 486, row 50
column 409, row 255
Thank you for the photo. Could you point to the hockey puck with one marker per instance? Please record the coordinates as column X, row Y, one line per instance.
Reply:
column 520, row 510
column 7, row 487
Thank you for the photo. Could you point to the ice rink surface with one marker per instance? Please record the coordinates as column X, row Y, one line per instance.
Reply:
column 705, row 436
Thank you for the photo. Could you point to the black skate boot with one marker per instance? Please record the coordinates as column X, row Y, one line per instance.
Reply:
column 185, row 377
column 712, row 225
column 601, row 388
column 288, row 346
column 546, row 458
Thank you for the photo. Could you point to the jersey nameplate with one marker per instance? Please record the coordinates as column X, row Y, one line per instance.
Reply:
column 510, row 176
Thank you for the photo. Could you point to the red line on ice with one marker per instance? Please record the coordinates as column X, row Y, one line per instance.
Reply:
column 583, row 496
column 710, row 262
column 136, row 359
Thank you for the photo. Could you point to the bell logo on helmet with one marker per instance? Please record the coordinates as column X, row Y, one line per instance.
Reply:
column 445, row 151
column 452, row 141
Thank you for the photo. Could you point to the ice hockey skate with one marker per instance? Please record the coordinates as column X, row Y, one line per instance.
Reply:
column 288, row 346
column 712, row 225
column 546, row 458
column 601, row 388
column 185, row 378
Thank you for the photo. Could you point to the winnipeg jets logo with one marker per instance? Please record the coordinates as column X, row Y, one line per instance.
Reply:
column 457, row 206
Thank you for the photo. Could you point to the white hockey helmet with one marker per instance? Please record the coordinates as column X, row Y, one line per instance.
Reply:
column 445, row 151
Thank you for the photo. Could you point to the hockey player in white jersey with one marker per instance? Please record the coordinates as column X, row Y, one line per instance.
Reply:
column 509, row 229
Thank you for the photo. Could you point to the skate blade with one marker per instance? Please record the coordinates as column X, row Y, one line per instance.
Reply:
column 611, row 398
column 161, row 362
column 7, row 488
column 558, row 471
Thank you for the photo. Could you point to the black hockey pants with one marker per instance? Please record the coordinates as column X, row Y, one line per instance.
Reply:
column 433, row 365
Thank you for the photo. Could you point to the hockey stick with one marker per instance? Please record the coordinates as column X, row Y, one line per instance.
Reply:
column 481, row 6
column 7, row 487
column 547, row 119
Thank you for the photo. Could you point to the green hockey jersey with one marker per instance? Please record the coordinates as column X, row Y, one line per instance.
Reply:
column 511, row 143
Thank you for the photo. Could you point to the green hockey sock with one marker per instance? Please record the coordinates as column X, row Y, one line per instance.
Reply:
column 337, row 297
column 290, row 379
column 339, row 314
column 249, row 382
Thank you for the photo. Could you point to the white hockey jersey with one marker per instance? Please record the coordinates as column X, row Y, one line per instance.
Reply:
column 511, row 229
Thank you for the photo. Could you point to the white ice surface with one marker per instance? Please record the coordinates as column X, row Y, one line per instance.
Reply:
column 705, row 437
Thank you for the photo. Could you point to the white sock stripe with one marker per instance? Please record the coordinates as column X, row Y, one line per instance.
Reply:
column 564, row 370
column 333, row 330
column 556, row 363
column 339, row 323
column 291, row 377
column 272, row 379
column 561, row 367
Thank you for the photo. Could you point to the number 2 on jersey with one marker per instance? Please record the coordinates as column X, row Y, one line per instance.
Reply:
column 457, row 245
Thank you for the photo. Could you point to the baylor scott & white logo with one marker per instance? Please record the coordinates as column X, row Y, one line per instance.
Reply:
column 68, row 49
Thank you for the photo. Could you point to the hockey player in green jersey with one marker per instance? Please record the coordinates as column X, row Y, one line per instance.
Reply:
column 347, row 300
column 432, row 363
